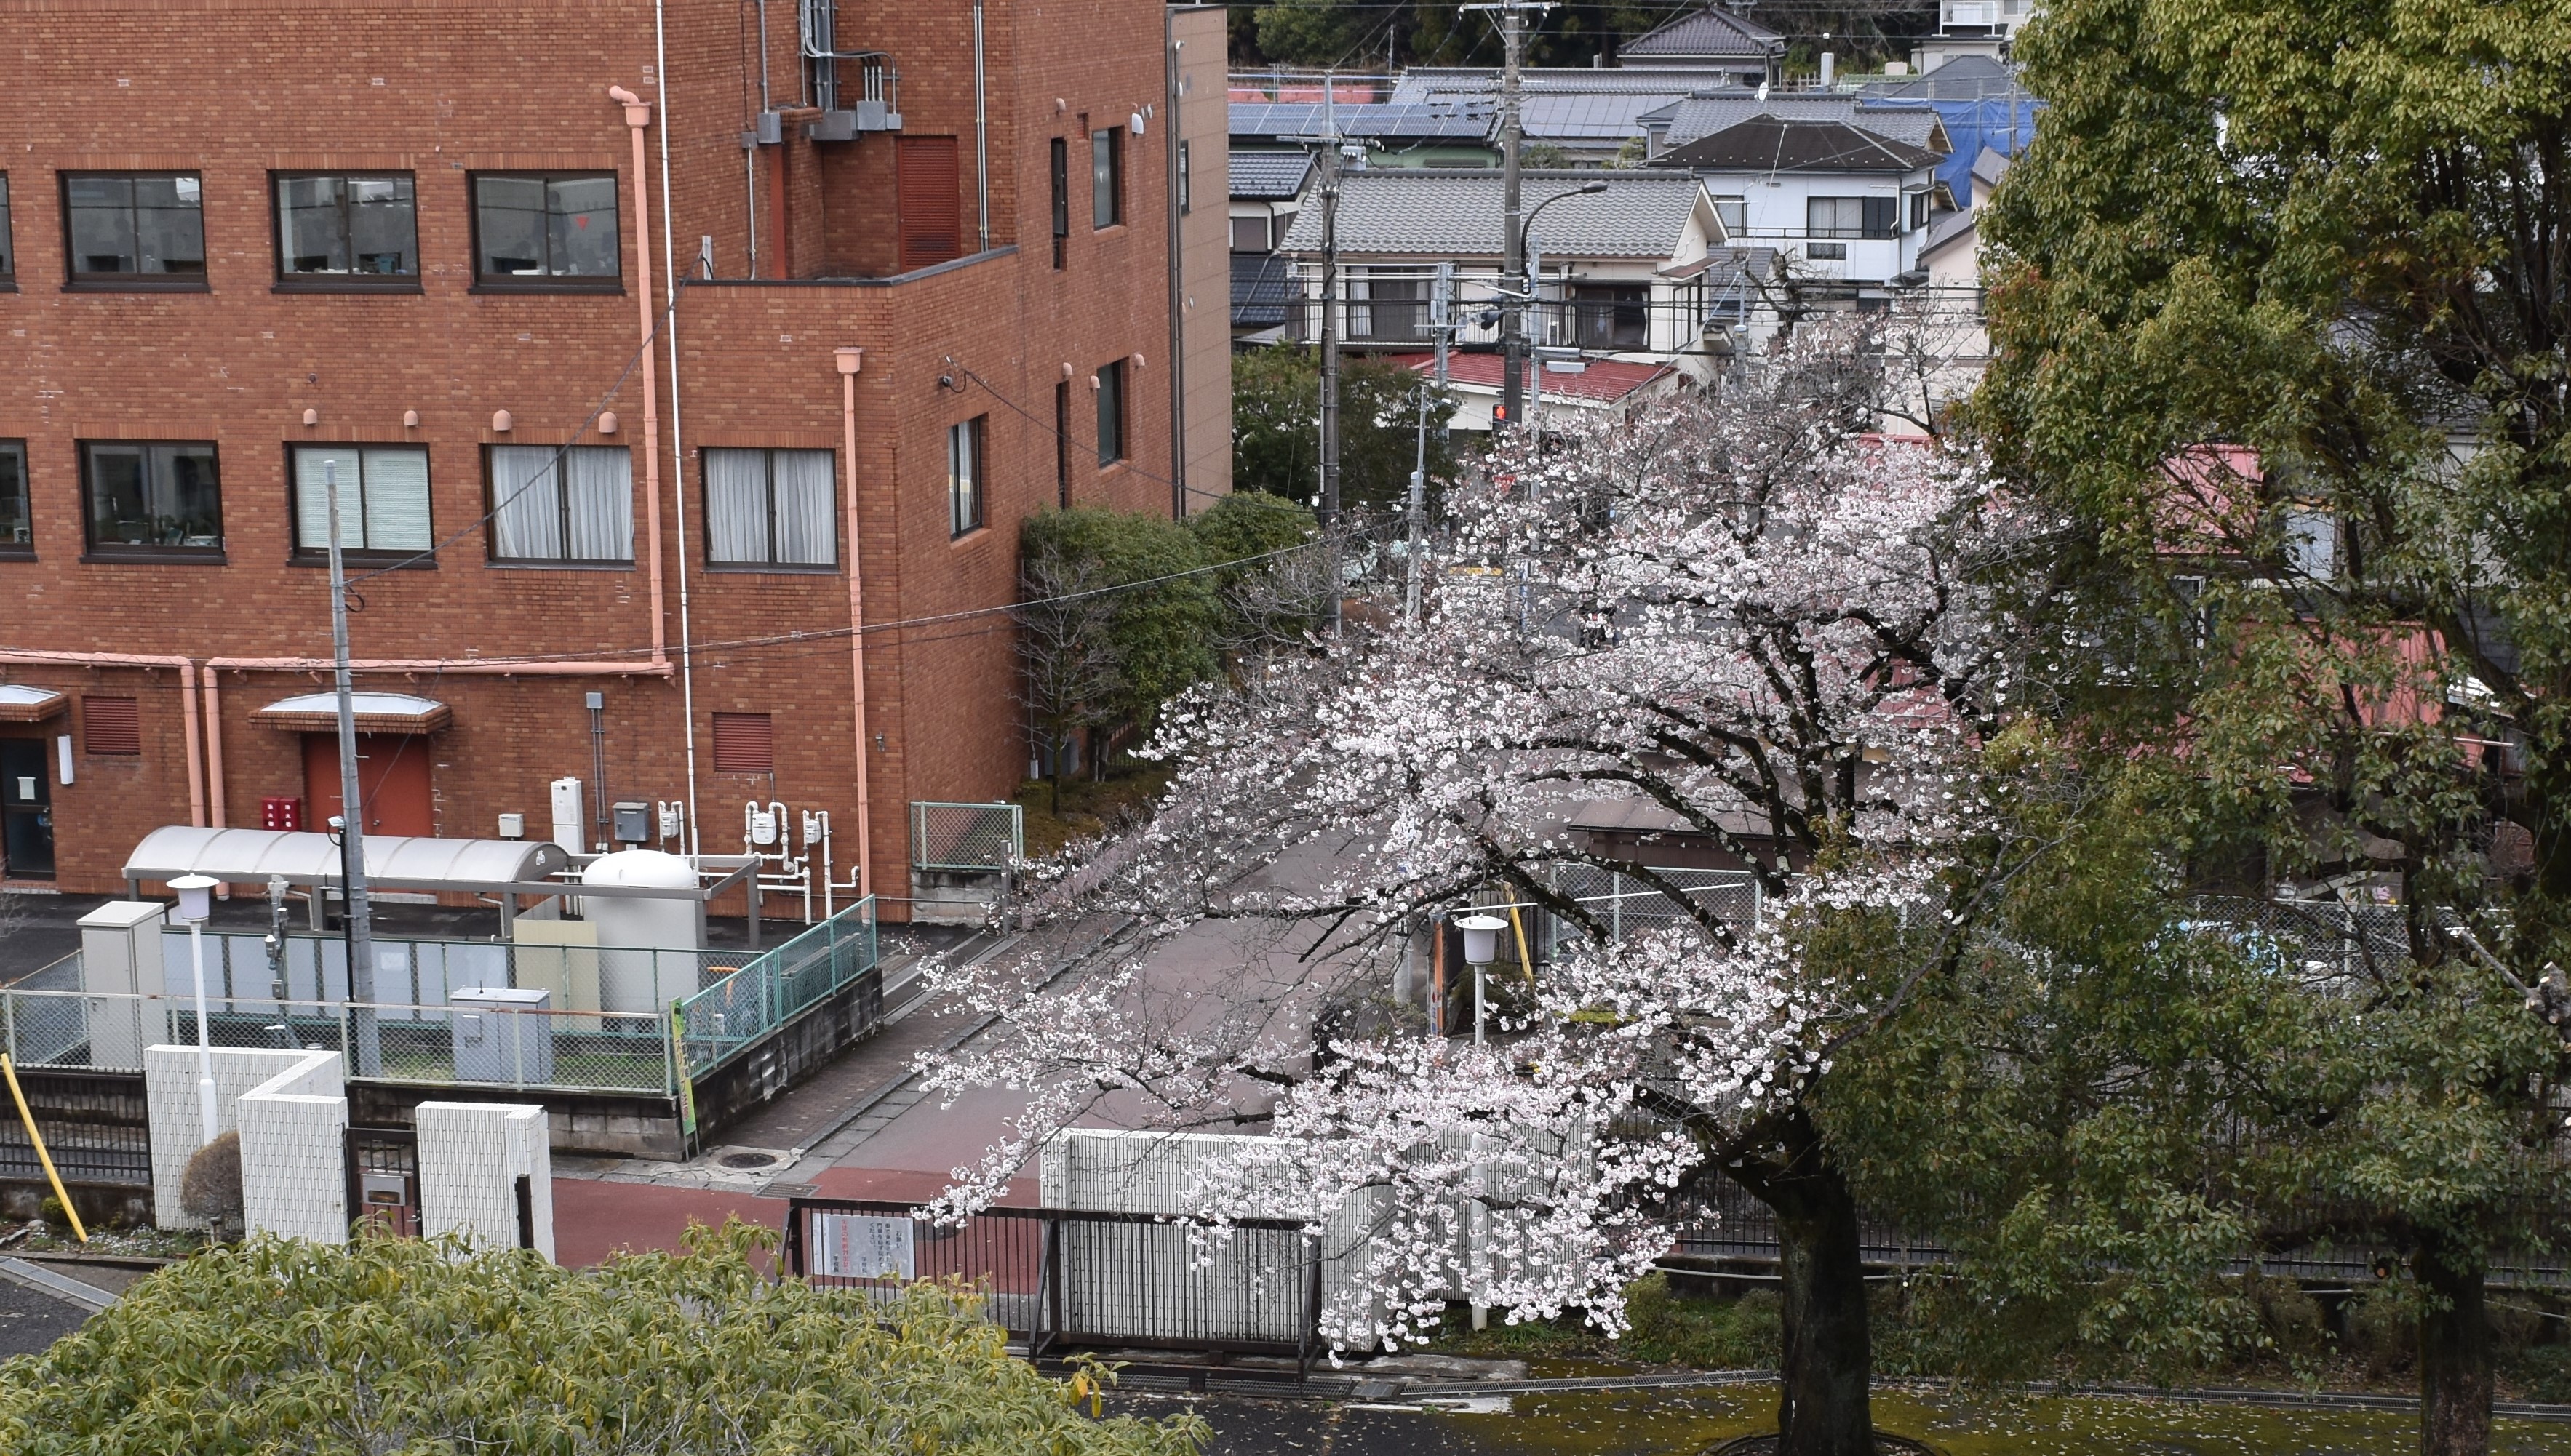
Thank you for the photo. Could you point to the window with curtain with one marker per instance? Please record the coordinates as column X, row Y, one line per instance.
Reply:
column 965, row 444
column 1106, row 178
column 383, row 499
column 160, row 498
column 1111, row 413
column 562, row 505
column 770, row 508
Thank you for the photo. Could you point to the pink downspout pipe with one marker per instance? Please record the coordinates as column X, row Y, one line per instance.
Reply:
column 214, row 749
column 849, row 360
column 637, row 116
column 449, row 666
column 186, row 703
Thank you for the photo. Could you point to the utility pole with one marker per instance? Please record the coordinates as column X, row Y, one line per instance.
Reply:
column 1512, row 15
column 364, row 1048
column 1441, row 313
column 1329, row 511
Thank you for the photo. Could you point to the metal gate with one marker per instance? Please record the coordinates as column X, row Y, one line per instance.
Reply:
column 384, row 1178
column 1059, row 1278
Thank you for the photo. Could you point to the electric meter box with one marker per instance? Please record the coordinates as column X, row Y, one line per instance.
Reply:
column 633, row 822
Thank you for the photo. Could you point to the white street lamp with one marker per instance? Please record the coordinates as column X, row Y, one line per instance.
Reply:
column 195, row 903
column 1481, row 947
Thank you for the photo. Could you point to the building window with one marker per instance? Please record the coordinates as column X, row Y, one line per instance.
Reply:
column 1061, row 159
column 128, row 228
column 1918, row 209
column 1249, row 235
column 1874, row 218
column 570, row 505
column 548, row 231
column 17, row 525
column 1111, row 412
column 1062, row 444
column 769, row 508
column 1387, row 309
column 8, row 248
column 336, row 229
column 1611, row 317
column 1184, row 201
column 383, row 499
column 1826, row 251
column 112, row 728
column 964, row 445
column 744, row 742
column 1106, row 178
column 1734, row 215
column 152, row 499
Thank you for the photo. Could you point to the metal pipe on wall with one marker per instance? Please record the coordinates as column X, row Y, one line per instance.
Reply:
column 981, row 136
column 677, row 439
column 638, row 114
column 849, row 360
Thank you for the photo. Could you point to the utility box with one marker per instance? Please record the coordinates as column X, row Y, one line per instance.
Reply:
column 284, row 815
column 569, row 830
column 503, row 1034
column 121, row 956
column 633, row 822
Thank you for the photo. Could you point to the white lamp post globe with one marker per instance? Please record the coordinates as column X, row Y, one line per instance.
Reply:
column 1481, row 938
column 195, row 897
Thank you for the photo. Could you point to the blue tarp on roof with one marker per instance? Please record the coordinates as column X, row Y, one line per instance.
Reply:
column 1982, row 105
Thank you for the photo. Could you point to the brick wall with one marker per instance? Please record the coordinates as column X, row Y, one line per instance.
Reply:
column 233, row 91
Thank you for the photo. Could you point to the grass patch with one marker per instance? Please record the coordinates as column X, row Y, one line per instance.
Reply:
column 1664, row 1328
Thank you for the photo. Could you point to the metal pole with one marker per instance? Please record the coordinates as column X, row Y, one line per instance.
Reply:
column 352, row 808
column 1329, row 511
column 205, row 1047
column 1512, row 264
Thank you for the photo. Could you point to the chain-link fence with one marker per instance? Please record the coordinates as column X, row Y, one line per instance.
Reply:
column 966, row 838
column 728, row 1016
column 243, row 976
column 1634, row 903
column 476, row 1045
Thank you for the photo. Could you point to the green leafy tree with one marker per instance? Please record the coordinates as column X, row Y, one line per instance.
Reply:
column 1275, row 594
column 1276, row 422
column 387, row 1345
column 1117, row 618
column 2281, row 316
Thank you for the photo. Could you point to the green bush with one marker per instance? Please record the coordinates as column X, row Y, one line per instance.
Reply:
column 1669, row 1328
column 400, row 1345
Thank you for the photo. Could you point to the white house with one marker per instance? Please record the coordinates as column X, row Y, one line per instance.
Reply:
column 1848, row 207
column 1639, row 271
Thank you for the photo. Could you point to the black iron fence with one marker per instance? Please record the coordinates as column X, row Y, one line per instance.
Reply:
column 98, row 1129
column 1059, row 1278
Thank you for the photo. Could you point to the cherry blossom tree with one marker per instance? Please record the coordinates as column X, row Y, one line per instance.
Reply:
column 1773, row 627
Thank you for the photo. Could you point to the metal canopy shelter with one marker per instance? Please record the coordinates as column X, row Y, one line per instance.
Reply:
column 507, row 868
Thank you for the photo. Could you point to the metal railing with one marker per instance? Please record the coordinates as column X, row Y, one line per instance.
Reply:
column 425, row 972
column 967, row 838
column 737, row 1009
column 1059, row 1278
column 581, row 1051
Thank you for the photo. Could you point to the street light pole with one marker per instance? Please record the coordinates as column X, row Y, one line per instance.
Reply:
column 1481, row 947
column 196, row 903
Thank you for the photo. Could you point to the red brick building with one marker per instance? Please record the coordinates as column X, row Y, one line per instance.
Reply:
column 419, row 249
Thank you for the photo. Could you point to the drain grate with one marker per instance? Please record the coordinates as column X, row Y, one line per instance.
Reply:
column 742, row 1161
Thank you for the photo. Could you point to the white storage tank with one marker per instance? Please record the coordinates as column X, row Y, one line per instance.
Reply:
column 630, row 928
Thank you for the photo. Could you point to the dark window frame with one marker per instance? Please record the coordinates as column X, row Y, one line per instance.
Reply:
column 1184, row 181
column 544, row 282
column 562, row 502
column 77, row 281
column 1105, row 178
column 967, row 491
column 1611, row 317
column 8, row 240
column 19, row 550
column 299, row 554
column 1060, row 159
column 705, row 499
column 348, row 282
column 1111, row 414
column 122, row 550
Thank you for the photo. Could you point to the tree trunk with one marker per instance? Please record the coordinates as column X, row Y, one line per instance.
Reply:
column 2454, row 1352
column 1825, row 1406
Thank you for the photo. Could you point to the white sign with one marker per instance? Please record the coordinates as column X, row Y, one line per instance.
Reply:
column 862, row 1247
